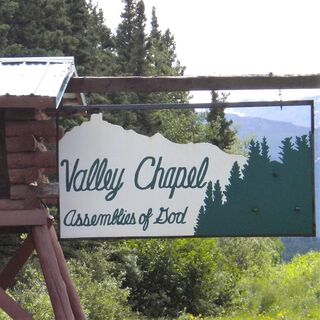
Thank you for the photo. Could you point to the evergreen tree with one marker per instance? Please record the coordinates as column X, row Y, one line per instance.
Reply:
column 34, row 27
column 57, row 28
column 219, row 131
column 8, row 9
column 155, row 34
column 131, row 53
column 162, row 59
column 139, row 52
column 91, row 40
column 125, row 38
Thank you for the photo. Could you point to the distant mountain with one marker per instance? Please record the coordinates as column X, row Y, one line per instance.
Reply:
column 274, row 131
column 299, row 245
column 297, row 115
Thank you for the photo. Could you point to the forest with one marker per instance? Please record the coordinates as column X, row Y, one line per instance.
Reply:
column 185, row 279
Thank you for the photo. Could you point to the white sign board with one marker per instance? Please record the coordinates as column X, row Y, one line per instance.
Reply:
column 117, row 183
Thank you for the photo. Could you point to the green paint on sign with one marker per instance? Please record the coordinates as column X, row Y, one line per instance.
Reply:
column 266, row 197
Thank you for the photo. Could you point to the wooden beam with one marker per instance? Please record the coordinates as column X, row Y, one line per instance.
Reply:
column 25, row 114
column 8, row 274
column 165, row 84
column 26, row 143
column 12, row 308
column 37, row 102
column 21, row 144
column 50, row 268
column 45, row 191
column 28, row 176
column 37, row 128
column 32, row 159
column 4, row 178
column 71, row 289
column 7, row 204
column 12, row 218
column 19, row 229
column 50, row 201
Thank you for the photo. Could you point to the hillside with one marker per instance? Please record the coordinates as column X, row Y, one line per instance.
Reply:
column 274, row 131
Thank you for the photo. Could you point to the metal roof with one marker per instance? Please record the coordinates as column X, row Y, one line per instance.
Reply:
column 34, row 81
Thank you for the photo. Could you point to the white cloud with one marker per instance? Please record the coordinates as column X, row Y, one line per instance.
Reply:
column 233, row 111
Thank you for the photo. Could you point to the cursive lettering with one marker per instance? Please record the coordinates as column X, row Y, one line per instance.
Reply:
column 172, row 177
column 118, row 217
column 99, row 176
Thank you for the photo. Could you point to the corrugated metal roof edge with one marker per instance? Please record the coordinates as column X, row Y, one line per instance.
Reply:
column 44, row 60
column 37, row 59
column 72, row 71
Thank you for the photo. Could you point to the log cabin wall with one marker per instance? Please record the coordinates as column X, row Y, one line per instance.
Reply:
column 4, row 177
column 29, row 143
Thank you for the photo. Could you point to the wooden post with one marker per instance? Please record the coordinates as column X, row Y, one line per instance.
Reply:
column 16, row 263
column 73, row 296
column 50, row 268
column 65, row 301
column 12, row 308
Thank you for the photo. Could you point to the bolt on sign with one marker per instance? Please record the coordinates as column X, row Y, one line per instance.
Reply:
column 118, row 183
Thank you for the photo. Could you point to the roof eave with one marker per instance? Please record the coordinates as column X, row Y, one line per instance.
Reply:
column 30, row 101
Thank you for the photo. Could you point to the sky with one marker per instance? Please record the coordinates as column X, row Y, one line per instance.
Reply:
column 237, row 37
column 233, row 37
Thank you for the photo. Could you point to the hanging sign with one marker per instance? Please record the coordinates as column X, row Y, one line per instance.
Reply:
column 117, row 183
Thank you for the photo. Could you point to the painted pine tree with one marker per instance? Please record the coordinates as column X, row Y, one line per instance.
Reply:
column 267, row 197
column 232, row 190
column 202, row 227
column 265, row 150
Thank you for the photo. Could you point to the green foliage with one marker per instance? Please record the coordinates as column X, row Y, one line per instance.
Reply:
column 219, row 130
column 175, row 274
column 196, row 276
column 140, row 54
column 30, row 291
column 125, row 38
column 55, row 28
column 251, row 255
column 180, row 126
column 288, row 291
column 100, row 292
